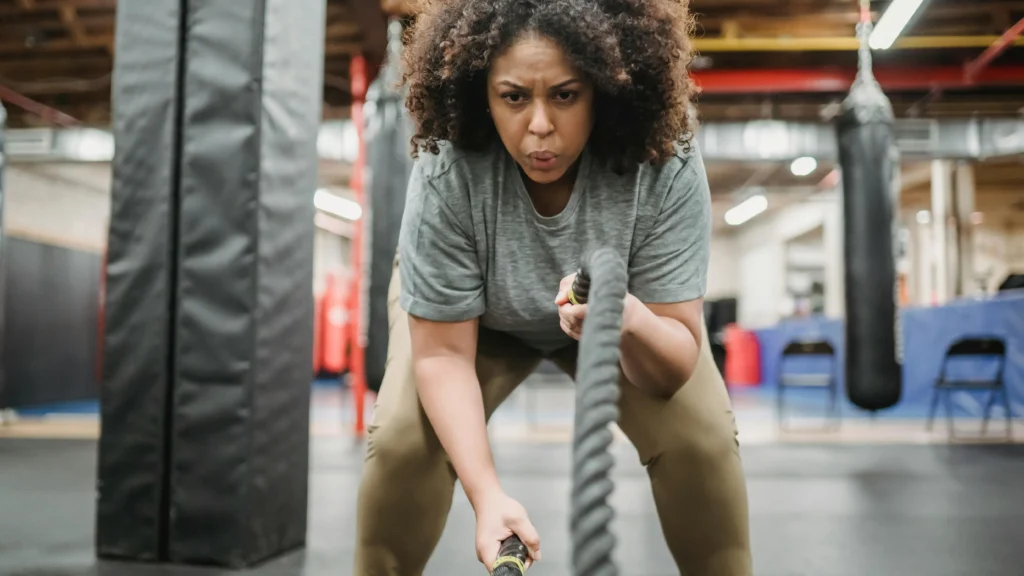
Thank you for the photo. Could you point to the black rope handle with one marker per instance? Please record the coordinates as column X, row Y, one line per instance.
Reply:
column 511, row 558
column 580, row 289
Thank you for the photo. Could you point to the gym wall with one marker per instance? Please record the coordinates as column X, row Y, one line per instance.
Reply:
column 760, row 250
column 55, row 221
column 723, row 269
column 58, row 204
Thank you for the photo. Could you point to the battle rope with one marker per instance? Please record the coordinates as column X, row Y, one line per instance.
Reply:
column 601, row 280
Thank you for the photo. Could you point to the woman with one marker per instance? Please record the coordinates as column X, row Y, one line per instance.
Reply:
column 544, row 129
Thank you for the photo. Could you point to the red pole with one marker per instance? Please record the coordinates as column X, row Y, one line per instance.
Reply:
column 972, row 68
column 892, row 79
column 357, row 339
column 42, row 110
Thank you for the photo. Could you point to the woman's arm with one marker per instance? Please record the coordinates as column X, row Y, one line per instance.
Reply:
column 444, row 364
column 660, row 344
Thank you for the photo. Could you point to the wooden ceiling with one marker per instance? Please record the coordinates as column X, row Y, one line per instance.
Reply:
column 56, row 56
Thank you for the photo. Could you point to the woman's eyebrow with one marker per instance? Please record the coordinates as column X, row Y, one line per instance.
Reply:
column 562, row 84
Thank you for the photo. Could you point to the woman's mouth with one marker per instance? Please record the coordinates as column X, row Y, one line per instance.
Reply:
column 543, row 160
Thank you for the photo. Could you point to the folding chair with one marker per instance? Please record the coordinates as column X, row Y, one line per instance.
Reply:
column 818, row 380
column 972, row 348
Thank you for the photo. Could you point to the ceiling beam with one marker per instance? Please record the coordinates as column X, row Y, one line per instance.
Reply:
column 20, row 49
column 768, row 80
column 839, row 44
column 69, row 18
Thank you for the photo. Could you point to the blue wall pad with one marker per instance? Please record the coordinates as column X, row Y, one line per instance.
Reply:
column 771, row 342
column 927, row 334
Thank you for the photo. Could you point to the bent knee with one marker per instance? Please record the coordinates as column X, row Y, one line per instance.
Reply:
column 707, row 443
column 402, row 446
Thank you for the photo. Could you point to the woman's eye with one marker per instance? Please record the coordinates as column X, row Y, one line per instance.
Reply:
column 513, row 98
column 565, row 95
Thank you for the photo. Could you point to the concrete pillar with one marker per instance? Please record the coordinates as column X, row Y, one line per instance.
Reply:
column 924, row 280
column 941, row 193
column 835, row 279
column 966, row 276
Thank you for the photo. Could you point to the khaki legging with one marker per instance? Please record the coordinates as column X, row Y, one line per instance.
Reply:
column 688, row 445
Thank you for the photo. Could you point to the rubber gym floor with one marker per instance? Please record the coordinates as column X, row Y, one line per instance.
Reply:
column 875, row 497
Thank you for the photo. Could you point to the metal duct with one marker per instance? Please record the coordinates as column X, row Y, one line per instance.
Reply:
column 770, row 140
column 749, row 141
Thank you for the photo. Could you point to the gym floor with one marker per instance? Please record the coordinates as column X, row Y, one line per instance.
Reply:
column 877, row 496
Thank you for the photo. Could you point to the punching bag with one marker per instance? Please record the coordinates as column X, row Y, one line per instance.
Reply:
column 389, row 165
column 868, row 162
column 3, row 268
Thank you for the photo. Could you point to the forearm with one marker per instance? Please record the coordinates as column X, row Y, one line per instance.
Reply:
column 658, row 354
column 450, row 394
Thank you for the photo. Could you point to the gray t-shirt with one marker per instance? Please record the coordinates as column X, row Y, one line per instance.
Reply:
column 472, row 244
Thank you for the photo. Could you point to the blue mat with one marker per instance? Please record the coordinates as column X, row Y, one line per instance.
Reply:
column 927, row 334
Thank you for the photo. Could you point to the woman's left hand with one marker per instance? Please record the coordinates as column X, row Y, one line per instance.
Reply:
column 570, row 316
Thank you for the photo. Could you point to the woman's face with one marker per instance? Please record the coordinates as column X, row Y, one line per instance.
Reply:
column 541, row 106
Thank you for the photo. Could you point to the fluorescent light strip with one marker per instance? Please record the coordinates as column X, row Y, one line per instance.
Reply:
column 803, row 166
column 341, row 207
column 746, row 210
column 892, row 23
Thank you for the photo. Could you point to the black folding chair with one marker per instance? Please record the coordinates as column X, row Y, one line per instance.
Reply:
column 821, row 380
column 976, row 347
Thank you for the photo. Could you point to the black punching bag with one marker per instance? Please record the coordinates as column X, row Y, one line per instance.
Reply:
column 3, row 275
column 389, row 164
column 867, row 160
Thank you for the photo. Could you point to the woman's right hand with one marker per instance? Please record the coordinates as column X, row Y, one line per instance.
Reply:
column 498, row 516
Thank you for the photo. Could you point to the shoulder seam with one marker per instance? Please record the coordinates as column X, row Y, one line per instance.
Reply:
column 429, row 182
column 686, row 167
column 445, row 166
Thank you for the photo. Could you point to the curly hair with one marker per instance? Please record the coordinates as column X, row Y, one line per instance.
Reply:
column 636, row 53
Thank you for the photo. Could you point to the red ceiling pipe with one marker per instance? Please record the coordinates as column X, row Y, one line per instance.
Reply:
column 976, row 66
column 42, row 110
column 760, row 81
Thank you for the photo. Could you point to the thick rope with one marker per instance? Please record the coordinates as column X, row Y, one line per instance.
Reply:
column 597, row 394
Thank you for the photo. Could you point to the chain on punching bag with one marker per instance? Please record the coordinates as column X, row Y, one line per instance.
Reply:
column 868, row 162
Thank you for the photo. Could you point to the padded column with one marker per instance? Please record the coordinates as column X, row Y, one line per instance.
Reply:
column 239, row 459
column 135, row 386
column 233, row 301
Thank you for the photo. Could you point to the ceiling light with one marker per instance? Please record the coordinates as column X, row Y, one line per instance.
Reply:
column 803, row 166
column 746, row 210
column 892, row 23
column 332, row 204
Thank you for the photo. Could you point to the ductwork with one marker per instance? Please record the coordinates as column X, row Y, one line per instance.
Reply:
column 770, row 140
column 750, row 141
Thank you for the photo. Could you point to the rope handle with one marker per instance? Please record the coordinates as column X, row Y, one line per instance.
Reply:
column 511, row 558
column 580, row 287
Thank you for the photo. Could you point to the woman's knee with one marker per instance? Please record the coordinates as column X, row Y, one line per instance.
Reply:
column 403, row 446
column 709, row 442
